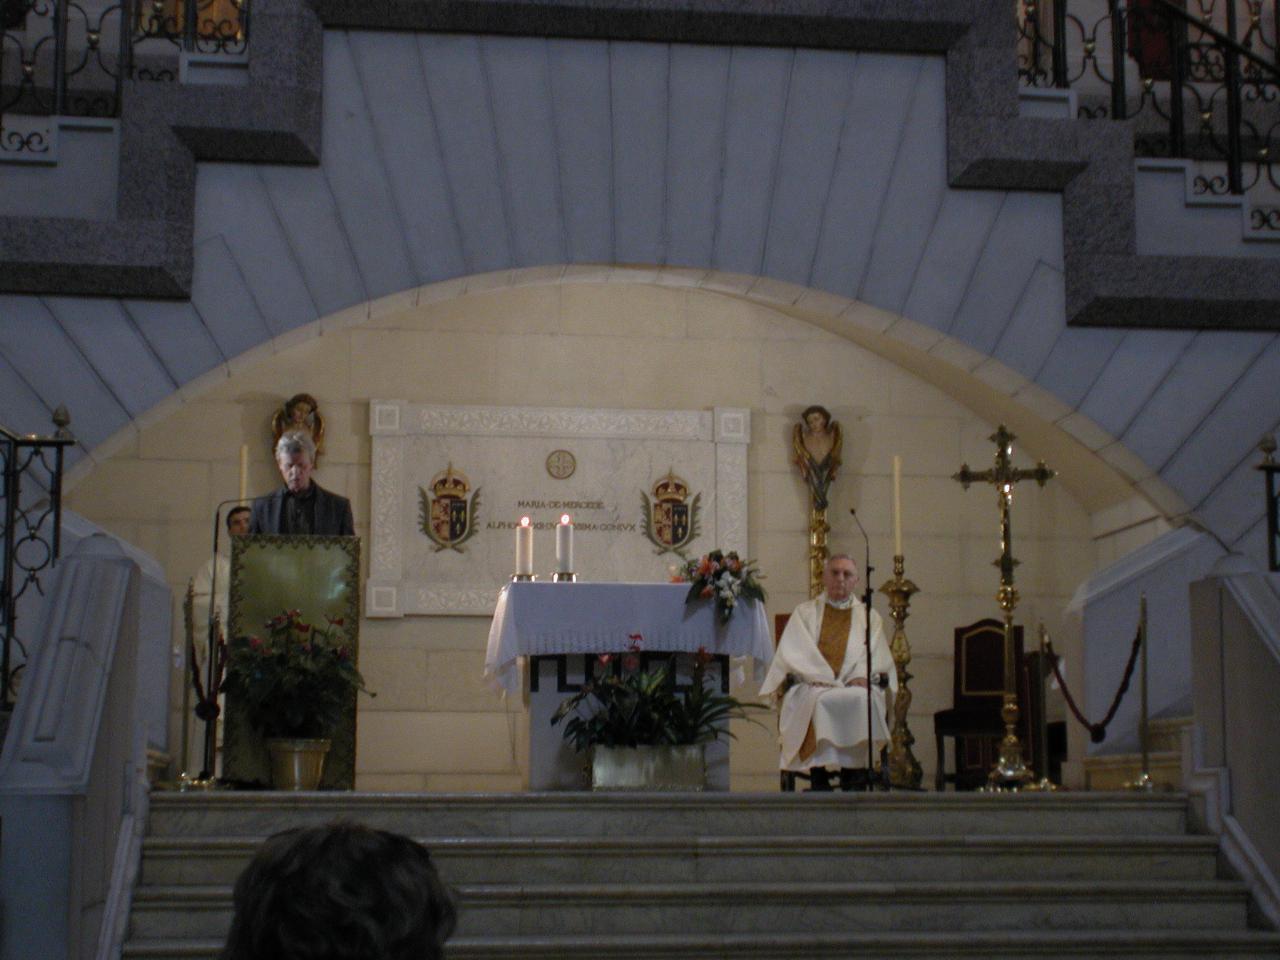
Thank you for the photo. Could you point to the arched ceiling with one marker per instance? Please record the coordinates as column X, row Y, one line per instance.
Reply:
column 825, row 171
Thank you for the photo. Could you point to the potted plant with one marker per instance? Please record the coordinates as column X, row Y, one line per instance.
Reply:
column 294, row 685
column 642, row 732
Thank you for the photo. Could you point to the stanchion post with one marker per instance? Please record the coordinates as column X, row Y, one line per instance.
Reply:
column 1144, row 781
column 1045, row 784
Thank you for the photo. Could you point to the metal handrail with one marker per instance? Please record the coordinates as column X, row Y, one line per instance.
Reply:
column 22, row 455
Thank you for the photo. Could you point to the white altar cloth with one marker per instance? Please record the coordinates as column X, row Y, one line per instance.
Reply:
column 546, row 619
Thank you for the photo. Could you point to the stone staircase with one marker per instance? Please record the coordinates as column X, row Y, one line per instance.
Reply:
column 760, row 876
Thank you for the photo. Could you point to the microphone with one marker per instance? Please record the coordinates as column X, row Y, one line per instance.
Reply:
column 866, row 638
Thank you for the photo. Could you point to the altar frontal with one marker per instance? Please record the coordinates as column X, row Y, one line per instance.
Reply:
column 638, row 490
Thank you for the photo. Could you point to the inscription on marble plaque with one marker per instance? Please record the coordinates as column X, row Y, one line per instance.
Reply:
column 451, row 483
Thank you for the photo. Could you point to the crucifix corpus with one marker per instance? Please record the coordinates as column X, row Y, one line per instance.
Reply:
column 1010, row 771
column 816, row 443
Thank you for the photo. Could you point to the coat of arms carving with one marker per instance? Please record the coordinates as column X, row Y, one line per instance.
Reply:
column 670, row 519
column 449, row 514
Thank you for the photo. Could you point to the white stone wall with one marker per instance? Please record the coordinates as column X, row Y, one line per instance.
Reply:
column 627, row 343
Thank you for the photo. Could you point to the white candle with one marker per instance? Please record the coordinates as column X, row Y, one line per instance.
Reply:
column 244, row 471
column 564, row 545
column 897, row 505
column 524, row 548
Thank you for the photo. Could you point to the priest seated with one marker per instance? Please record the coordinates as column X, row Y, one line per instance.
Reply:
column 821, row 665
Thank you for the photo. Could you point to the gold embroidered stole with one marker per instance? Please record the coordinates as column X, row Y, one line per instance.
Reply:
column 833, row 639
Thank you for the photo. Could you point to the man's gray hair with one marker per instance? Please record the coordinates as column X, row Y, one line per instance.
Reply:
column 841, row 556
column 296, row 441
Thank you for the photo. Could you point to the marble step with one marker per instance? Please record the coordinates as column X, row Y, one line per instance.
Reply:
column 585, row 814
column 581, row 909
column 179, row 860
column 1006, row 945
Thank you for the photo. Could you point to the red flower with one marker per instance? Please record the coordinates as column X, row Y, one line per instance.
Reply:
column 334, row 622
column 255, row 643
column 703, row 657
column 304, row 628
column 636, row 641
column 604, row 658
column 630, row 662
column 708, row 592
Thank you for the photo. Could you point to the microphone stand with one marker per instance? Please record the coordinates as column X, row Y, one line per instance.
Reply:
column 867, row 595
column 211, row 672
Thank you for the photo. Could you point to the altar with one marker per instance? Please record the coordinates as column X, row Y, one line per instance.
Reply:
column 559, row 629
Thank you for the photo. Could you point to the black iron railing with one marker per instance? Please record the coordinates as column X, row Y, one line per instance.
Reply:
column 71, row 57
column 30, row 532
column 1201, row 82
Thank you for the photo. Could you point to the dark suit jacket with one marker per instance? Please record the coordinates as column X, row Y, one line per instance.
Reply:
column 332, row 518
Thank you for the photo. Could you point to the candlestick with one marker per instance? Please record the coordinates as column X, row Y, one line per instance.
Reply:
column 564, row 545
column 244, row 471
column 524, row 548
column 897, row 505
column 904, row 768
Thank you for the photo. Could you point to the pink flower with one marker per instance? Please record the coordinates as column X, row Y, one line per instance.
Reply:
column 604, row 659
column 636, row 642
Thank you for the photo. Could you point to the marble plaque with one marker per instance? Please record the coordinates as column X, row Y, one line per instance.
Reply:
column 449, row 485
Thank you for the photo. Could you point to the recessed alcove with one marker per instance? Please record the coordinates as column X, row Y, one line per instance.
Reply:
column 638, row 338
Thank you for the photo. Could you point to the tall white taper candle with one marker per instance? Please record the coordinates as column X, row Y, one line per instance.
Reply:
column 564, row 545
column 897, row 505
column 244, row 471
column 524, row 548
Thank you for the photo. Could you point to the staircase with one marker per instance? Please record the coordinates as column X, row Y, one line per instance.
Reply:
column 760, row 876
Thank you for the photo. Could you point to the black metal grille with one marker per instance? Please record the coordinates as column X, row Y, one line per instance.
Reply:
column 1199, row 78
column 30, row 532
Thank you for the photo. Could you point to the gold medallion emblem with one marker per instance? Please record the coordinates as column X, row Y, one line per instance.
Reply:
column 561, row 464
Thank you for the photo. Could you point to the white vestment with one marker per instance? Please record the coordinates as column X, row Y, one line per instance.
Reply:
column 201, row 586
column 838, row 712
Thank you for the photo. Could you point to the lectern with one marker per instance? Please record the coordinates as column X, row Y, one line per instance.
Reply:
column 318, row 576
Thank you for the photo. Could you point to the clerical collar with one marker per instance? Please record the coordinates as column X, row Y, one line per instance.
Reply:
column 844, row 604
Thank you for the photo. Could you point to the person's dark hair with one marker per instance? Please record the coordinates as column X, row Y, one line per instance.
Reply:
column 340, row 892
column 236, row 511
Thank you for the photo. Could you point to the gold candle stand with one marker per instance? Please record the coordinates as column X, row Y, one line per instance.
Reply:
column 818, row 530
column 904, row 769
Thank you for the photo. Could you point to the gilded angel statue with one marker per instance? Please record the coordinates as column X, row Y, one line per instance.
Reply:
column 816, row 441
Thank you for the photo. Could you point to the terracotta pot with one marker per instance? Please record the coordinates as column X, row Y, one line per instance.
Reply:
column 297, row 764
column 666, row 768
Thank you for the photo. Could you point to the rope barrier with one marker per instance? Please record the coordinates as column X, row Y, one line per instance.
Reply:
column 206, row 707
column 1097, row 731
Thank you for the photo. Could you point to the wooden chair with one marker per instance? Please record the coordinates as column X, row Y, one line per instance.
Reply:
column 974, row 720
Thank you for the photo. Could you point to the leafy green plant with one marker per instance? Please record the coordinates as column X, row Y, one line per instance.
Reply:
column 298, row 681
column 630, row 707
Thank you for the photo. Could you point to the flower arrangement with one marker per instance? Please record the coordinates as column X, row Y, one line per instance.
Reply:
column 724, row 576
column 298, row 681
column 630, row 707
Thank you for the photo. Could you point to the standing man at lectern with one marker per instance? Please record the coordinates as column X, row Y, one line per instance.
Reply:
column 301, row 507
column 822, row 659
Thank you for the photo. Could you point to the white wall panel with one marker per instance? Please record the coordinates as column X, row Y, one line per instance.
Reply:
column 401, row 114
column 353, row 163
column 225, row 302
column 517, row 72
column 1136, row 369
column 759, row 80
column 178, row 336
column 232, row 203
column 821, row 84
column 638, row 80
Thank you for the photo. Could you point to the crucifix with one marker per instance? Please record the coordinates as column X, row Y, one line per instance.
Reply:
column 1010, row 771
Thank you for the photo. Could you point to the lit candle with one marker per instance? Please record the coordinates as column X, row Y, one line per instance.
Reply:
column 897, row 505
column 244, row 471
column 524, row 548
column 564, row 545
